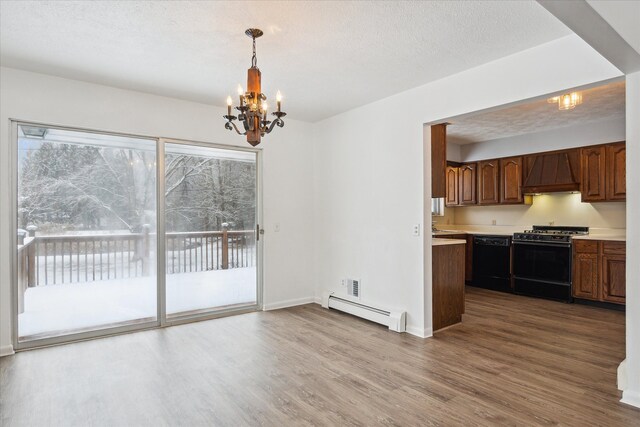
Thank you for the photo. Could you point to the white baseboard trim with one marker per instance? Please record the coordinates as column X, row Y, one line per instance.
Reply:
column 288, row 303
column 6, row 350
column 631, row 397
column 622, row 375
column 419, row 332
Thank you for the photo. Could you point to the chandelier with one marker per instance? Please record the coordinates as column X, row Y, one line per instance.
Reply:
column 568, row 101
column 253, row 103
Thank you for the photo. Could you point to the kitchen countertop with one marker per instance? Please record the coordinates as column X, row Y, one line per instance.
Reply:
column 443, row 242
column 611, row 237
column 475, row 232
column 447, row 233
column 611, row 234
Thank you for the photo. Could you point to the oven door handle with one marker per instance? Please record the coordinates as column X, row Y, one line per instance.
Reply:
column 559, row 244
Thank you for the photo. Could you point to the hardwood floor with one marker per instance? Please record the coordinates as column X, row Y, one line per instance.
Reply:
column 513, row 361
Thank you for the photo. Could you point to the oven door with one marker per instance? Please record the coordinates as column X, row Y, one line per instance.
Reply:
column 545, row 262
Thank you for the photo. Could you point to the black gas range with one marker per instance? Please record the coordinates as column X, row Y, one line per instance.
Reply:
column 542, row 261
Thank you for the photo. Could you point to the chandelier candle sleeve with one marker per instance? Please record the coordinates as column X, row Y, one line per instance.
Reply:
column 241, row 95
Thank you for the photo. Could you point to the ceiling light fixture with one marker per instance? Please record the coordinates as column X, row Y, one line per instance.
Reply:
column 253, row 103
column 566, row 101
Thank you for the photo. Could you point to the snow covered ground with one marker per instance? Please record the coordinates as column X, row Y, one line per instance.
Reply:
column 54, row 309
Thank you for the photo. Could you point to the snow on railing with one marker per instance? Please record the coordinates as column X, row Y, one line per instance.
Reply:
column 47, row 260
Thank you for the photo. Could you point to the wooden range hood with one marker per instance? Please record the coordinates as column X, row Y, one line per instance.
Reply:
column 552, row 172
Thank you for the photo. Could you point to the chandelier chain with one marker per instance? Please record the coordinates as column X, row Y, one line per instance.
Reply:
column 254, row 59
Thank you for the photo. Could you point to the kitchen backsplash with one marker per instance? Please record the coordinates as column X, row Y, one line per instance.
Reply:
column 559, row 209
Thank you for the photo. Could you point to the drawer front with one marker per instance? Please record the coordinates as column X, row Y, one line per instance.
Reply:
column 614, row 248
column 586, row 246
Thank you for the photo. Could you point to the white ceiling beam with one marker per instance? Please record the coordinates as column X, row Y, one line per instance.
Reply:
column 583, row 20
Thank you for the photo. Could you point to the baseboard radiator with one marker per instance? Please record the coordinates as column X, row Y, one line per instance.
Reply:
column 394, row 320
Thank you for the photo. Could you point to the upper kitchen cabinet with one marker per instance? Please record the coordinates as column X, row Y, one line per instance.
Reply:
column 617, row 171
column 488, row 182
column 511, row 180
column 593, row 174
column 467, row 188
column 438, row 160
column 452, row 198
column 554, row 171
column 604, row 173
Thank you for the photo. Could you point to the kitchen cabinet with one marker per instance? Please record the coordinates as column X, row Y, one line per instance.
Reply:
column 616, row 171
column 467, row 184
column 511, row 180
column 488, row 182
column 599, row 270
column 468, row 262
column 438, row 159
column 452, row 198
column 613, row 262
column 592, row 185
column 447, row 285
column 585, row 269
column 604, row 173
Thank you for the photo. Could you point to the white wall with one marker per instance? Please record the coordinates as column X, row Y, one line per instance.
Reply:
column 592, row 133
column 454, row 152
column 632, row 393
column 287, row 166
column 369, row 170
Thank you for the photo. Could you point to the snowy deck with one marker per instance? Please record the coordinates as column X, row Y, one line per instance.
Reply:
column 54, row 309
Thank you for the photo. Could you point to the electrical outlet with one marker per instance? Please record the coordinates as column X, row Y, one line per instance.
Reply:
column 343, row 282
column 552, row 222
column 493, row 222
column 416, row 230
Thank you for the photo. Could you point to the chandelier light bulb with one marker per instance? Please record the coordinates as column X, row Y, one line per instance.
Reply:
column 279, row 100
column 576, row 98
column 229, row 104
column 566, row 103
column 240, row 90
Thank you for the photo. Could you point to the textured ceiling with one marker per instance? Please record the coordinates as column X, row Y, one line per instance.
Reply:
column 326, row 57
column 598, row 103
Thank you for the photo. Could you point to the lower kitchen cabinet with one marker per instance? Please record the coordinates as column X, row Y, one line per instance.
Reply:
column 468, row 261
column 599, row 270
column 447, row 285
column 585, row 276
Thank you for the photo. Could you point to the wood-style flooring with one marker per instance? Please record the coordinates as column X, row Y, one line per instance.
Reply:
column 513, row 361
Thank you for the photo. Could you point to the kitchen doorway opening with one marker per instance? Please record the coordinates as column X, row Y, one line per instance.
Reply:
column 537, row 188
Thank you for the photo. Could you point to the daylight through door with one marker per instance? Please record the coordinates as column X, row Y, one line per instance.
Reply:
column 89, row 210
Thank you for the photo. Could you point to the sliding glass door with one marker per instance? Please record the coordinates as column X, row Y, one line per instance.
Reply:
column 210, row 210
column 88, row 216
